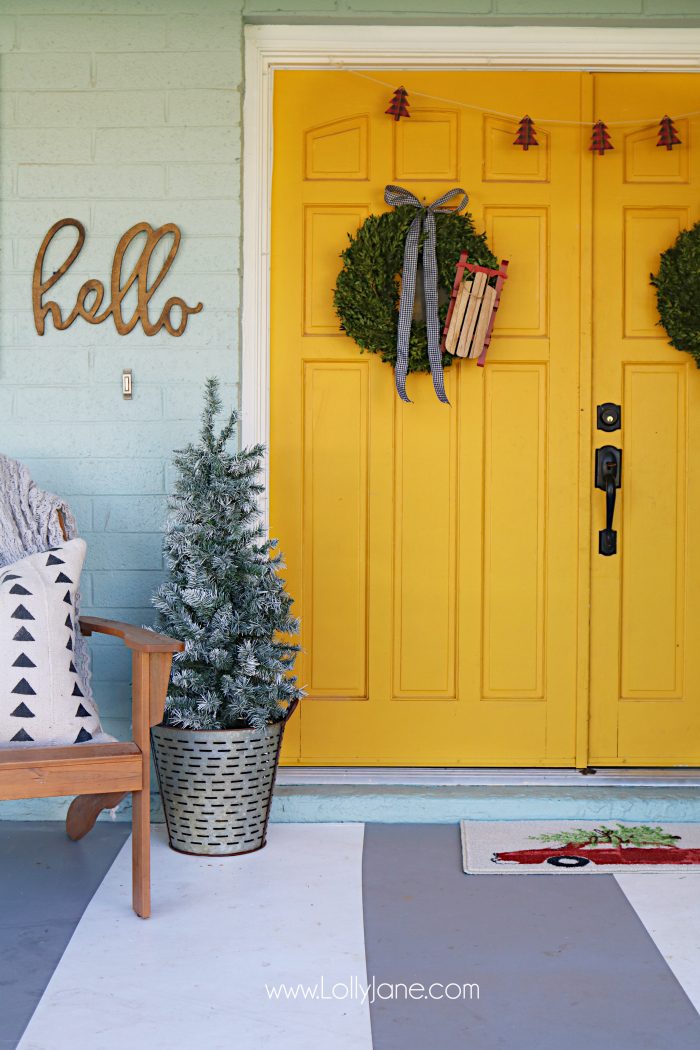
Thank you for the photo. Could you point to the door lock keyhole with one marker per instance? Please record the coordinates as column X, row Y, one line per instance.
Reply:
column 609, row 416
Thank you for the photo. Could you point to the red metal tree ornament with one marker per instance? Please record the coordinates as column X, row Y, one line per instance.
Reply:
column 600, row 139
column 399, row 104
column 668, row 136
column 526, row 134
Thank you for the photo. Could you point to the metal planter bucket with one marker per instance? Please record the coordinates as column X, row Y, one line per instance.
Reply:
column 217, row 786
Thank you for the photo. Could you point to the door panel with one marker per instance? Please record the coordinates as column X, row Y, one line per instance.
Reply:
column 432, row 551
column 646, row 231
column 335, row 461
column 652, row 654
column 522, row 234
column 645, row 665
column 512, row 656
column 427, row 145
column 425, row 526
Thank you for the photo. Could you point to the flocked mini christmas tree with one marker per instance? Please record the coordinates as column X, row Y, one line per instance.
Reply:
column 600, row 139
column 526, row 134
column 668, row 135
column 399, row 104
column 224, row 596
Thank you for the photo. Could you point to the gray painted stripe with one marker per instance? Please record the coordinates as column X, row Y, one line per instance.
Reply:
column 560, row 962
column 46, row 882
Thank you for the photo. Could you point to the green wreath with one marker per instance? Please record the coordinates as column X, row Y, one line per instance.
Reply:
column 368, row 290
column 678, row 292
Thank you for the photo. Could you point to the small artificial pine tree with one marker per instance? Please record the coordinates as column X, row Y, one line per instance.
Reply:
column 526, row 134
column 668, row 136
column 399, row 104
column 600, row 139
column 224, row 597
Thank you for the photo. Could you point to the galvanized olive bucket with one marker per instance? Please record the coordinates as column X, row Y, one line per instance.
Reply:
column 216, row 786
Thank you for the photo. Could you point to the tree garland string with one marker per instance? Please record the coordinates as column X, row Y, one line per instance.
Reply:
column 639, row 122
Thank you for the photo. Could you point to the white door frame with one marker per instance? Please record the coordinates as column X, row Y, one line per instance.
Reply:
column 271, row 47
column 268, row 48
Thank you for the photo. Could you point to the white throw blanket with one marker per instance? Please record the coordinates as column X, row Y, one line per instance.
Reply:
column 29, row 524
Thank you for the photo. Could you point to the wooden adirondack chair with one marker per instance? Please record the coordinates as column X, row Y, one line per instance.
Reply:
column 106, row 771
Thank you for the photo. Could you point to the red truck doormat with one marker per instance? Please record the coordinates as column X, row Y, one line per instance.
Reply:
column 577, row 847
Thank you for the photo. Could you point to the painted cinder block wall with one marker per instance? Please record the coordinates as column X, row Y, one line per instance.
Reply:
column 116, row 111
column 112, row 113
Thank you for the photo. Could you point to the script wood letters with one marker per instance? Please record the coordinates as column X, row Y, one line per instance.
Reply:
column 95, row 290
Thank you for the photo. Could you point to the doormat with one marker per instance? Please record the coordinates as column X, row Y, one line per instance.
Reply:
column 577, row 847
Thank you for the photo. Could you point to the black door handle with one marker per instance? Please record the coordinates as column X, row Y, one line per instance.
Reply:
column 608, row 477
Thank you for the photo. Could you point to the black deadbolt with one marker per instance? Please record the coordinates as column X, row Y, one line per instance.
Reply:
column 609, row 416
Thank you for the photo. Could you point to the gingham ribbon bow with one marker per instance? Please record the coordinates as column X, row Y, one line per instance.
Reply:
column 425, row 219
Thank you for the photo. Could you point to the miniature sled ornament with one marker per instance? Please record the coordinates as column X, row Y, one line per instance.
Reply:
column 472, row 311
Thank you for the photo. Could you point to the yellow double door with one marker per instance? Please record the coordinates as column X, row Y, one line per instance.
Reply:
column 455, row 608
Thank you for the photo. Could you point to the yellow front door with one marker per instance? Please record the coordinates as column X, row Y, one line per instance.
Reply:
column 645, row 657
column 440, row 556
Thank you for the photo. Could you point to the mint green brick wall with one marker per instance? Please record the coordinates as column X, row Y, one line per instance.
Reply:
column 482, row 12
column 115, row 111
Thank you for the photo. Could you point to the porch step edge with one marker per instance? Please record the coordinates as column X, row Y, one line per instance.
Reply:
column 436, row 805
column 587, row 799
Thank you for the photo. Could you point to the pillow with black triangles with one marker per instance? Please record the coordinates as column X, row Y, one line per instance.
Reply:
column 42, row 699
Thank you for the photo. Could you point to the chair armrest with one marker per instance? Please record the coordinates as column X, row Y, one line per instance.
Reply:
column 151, row 657
column 136, row 638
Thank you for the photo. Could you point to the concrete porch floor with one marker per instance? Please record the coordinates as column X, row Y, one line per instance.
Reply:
column 548, row 962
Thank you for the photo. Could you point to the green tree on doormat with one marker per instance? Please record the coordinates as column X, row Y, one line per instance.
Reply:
column 638, row 835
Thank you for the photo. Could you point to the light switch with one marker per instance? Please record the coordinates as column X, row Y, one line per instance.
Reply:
column 127, row 384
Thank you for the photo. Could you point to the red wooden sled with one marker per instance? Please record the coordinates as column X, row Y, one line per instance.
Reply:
column 501, row 275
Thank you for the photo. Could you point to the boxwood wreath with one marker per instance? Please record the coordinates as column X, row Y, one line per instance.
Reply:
column 368, row 289
column 678, row 292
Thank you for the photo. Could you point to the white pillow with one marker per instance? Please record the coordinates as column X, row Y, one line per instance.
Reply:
column 42, row 699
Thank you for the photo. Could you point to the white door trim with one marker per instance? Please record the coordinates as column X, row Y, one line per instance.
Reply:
column 382, row 47
column 268, row 48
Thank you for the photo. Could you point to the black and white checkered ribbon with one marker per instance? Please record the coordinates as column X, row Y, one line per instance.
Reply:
column 424, row 220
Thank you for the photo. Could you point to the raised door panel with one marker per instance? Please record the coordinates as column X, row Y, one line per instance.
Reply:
column 326, row 226
column 514, row 541
column 647, row 232
column 503, row 162
column 335, row 529
column 646, row 162
column 654, row 526
column 425, row 544
column 426, row 146
column 521, row 236
column 338, row 150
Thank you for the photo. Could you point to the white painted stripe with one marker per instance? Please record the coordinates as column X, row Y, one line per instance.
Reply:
column 194, row 974
column 668, row 907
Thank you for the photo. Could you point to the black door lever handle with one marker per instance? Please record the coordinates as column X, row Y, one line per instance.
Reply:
column 608, row 477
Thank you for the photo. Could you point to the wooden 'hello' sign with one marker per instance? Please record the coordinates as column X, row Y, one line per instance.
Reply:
column 94, row 290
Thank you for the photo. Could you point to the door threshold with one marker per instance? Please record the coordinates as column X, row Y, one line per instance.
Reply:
column 470, row 777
